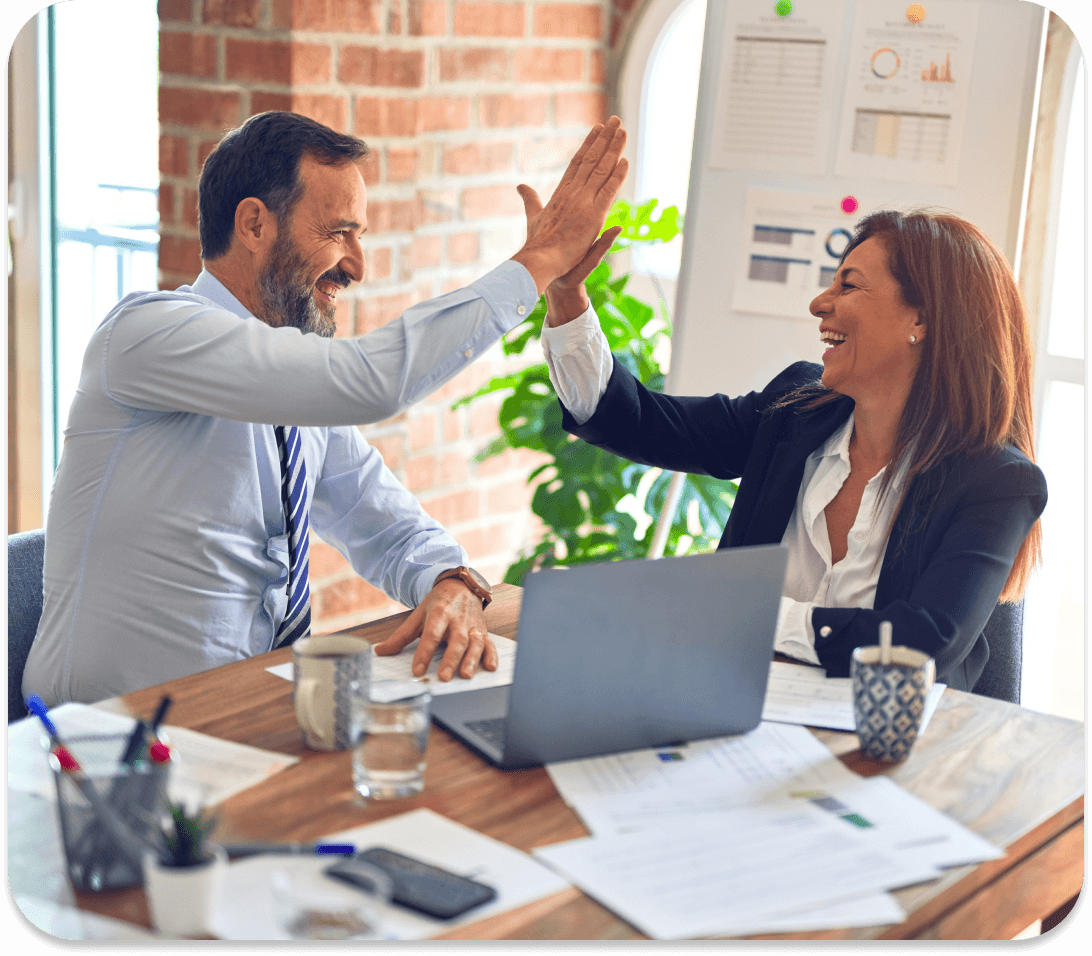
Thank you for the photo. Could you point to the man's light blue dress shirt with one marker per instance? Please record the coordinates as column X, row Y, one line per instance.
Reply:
column 166, row 547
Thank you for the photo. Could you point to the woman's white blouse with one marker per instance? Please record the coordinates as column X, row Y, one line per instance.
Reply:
column 580, row 366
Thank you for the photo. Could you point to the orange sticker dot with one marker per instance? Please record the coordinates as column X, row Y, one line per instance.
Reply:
column 915, row 13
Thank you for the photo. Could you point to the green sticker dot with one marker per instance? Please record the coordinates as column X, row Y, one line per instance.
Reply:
column 783, row 8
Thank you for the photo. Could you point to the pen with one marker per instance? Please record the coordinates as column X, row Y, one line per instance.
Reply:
column 236, row 850
column 37, row 706
column 160, row 713
column 135, row 745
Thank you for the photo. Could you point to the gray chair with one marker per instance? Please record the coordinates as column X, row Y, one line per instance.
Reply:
column 25, row 553
column 1005, row 636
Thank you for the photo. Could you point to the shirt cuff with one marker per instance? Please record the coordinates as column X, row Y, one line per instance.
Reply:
column 578, row 357
column 794, row 634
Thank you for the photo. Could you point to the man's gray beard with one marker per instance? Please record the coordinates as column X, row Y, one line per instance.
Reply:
column 286, row 299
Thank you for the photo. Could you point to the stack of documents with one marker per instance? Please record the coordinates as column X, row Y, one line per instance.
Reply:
column 764, row 832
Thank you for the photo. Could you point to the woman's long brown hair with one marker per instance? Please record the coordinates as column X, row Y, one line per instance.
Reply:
column 972, row 390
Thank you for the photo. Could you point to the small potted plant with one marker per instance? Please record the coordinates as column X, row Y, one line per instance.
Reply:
column 183, row 878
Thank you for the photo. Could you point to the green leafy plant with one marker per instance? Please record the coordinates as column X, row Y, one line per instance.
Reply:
column 184, row 839
column 594, row 505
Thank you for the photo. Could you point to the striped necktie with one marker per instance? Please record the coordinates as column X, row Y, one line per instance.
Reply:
column 297, row 616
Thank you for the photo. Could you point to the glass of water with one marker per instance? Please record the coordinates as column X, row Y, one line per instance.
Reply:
column 390, row 733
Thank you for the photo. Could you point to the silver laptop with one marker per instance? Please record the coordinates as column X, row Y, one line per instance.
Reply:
column 629, row 654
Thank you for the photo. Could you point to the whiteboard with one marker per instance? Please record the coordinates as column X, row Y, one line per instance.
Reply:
column 719, row 346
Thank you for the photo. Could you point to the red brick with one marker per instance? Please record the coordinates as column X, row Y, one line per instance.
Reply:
column 324, row 560
column 473, row 63
column 189, row 207
column 205, row 109
column 442, row 112
column 506, row 110
column 167, row 212
column 379, row 264
column 455, row 507
column 539, row 155
column 597, row 67
column 203, row 150
column 369, row 168
column 454, row 469
column 421, row 472
column 542, row 65
column 385, row 116
column 483, row 417
column 510, row 496
column 175, row 10
column 231, row 13
column 277, row 62
column 330, row 110
column 482, row 156
column 427, row 18
column 395, row 215
column 344, row 326
column 482, row 542
column 574, row 20
column 452, row 285
column 180, row 255
column 490, row 20
column 421, row 430
column 187, row 54
column 485, row 202
column 376, row 311
column 580, row 109
column 394, row 20
column 401, row 164
column 391, row 448
column 174, row 156
column 436, row 205
column 371, row 66
column 463, row 247
column 453, row 421
column 329, row 16
column 348, row 596
column 426, row 251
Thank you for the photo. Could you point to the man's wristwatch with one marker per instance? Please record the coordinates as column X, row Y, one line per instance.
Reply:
column 472, row 579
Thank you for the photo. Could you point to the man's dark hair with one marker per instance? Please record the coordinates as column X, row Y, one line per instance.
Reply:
column 262, row 159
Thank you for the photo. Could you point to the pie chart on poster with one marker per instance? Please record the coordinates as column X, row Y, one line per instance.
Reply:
column 885, row 63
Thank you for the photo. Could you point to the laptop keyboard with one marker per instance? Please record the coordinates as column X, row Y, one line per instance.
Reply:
column 491, row 729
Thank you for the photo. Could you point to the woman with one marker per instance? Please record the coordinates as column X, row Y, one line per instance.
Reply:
column 900, row 473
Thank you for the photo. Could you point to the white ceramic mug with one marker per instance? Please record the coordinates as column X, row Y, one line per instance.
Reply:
column 323, row 670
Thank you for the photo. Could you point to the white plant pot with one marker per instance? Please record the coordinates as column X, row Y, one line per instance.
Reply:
column 181, row 899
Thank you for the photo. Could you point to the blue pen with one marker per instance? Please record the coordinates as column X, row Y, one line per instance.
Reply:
column 37, row 706
column 236, row 850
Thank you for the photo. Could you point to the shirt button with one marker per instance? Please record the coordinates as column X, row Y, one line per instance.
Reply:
column 824, row 631
column 521, row 310
column 859, row 535
column 469, row 353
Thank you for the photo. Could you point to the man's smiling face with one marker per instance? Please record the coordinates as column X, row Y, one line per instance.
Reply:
column 317, row 250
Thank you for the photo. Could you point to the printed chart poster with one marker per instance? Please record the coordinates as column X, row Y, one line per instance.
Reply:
column 907, row 88
column 791, row 250
column 774, row 105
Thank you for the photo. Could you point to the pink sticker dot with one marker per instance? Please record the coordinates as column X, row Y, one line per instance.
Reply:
column 849, row 204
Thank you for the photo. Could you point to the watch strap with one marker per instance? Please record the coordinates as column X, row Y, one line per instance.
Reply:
column 474, row 580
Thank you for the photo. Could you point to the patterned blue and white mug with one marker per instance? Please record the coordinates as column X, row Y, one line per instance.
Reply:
column 323, row 671
column 889, row 699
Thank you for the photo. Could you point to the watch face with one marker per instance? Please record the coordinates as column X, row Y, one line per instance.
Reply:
column 479, row 579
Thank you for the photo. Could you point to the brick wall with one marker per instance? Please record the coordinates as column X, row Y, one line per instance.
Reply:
column 460, row 101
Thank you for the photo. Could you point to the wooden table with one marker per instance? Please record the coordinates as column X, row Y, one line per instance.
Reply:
column 1014, row 776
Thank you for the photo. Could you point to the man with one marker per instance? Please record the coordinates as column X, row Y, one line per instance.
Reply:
column 213, row 424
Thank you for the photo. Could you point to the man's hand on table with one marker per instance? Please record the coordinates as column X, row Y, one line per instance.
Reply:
column 450, row 612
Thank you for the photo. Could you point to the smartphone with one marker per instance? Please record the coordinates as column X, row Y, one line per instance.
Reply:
column 416, row 885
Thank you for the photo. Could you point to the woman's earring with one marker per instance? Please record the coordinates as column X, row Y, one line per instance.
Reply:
column 913, row 340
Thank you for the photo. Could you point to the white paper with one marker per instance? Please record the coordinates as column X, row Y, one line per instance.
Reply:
column 244, row 910
column 623, row 792
column 797, row 694
column 399, row 668
column 792, row 245
column 67, row 922
column 775, row 94
column 205, row 770
column 907, row 92
column 729, row 872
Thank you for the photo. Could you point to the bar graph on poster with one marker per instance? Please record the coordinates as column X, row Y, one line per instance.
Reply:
column 907, row 93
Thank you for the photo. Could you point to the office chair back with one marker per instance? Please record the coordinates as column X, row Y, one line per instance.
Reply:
column 1004, row 633
column 25, row 553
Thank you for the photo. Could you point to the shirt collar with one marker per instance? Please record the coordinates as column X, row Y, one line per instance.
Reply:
column 837, row 446
column 208, row 286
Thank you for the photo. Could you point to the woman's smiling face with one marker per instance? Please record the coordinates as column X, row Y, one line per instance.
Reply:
column 867, row 327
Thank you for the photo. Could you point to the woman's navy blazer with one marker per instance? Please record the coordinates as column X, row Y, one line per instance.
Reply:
column 953, row 540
